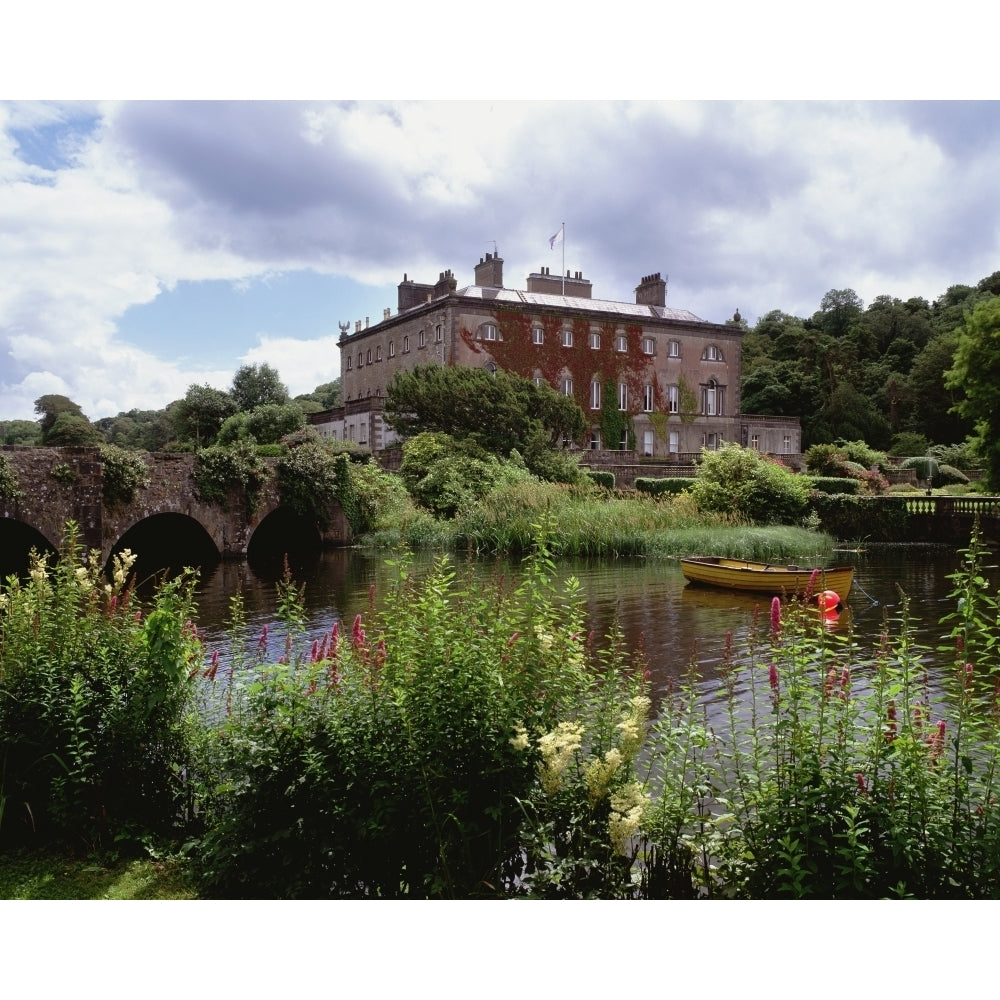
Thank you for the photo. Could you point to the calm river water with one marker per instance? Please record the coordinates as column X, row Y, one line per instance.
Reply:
column 673, row 621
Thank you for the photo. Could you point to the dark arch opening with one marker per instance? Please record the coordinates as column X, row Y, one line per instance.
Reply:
column 17, row 539
column 167, row 543
column 284, row 533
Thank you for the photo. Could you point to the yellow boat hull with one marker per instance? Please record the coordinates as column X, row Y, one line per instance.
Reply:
column 764, row 578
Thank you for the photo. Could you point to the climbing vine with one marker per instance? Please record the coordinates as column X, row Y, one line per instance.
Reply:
column 688, row 400
column 9, row 485
column 123, row 474
column 220, row 470
column 594, row 353
column 615, row 423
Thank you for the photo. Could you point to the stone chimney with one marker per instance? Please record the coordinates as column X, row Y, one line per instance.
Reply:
column 651, row 291
column 446, row 283
column 411, row 293
column 575, row 284
column 489, row 271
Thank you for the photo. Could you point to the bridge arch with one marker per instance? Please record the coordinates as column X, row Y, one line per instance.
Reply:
column 17, row 539
column 169, row 540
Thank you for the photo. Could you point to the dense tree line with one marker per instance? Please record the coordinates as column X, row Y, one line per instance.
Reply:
column 875, row 373
column 257, row 404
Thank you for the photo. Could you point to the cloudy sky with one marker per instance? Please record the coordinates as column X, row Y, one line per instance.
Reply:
column 149, row 245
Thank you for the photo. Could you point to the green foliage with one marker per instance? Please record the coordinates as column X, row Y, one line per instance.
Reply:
column 740, row 482
column 323, row 397
column 830, row 777
column 616, row 425
column 139, row 430
column 9, row 483
column 266, row 424
column 835, row 484
column 849, row 460
column 26, row 432
column 603, row 479
column 402, row 758
column 908, row 443
column 123, row 474
column 63, row 423
column 93, row 695
column 976, row 372
column 63, row 473
column 497, row 413
column 444, row 475
column 257, row 385
column 308, row 481
column 882, row 519
column 199, row 415
column 961, row 456
column 220, row 471
column 657, row 487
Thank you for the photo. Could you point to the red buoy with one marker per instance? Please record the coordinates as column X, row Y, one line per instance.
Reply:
column 827, row 600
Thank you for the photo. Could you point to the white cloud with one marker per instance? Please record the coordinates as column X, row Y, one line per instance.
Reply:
column 302, row 364
column 753, row 205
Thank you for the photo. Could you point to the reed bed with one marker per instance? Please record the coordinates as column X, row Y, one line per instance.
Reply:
column 591, row 524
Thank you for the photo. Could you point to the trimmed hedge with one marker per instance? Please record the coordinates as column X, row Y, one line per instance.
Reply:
column 605, row 479
column 836, row 484
column 657, row 487
column 877, row 519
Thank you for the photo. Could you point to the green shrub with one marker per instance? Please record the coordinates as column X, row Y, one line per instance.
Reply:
column 835, row 484
column 93, row 695
column 400, row 758
column 847, row 779
column 308, row 480
column 9, row 484
column 220, row 471
column 445, row 475
column 603, row 479
column 123, row 474
column 876, row 519
column 657, row 487
column 63, row 473
column 742, row 483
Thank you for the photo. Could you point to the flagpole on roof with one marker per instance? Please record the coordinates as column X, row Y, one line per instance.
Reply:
column 560, row 237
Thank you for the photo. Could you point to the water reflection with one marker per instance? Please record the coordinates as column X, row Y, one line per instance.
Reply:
column 674, row 623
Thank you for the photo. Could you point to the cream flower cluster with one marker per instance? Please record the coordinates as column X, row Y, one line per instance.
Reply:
column 557, row 750
column 599, row 774
column 633, row 725
column 628, row 804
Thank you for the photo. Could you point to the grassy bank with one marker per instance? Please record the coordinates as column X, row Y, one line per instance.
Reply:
column 599, row 525
column 51, row 875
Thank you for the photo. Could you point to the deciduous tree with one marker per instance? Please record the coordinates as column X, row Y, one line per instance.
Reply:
column 976, row 371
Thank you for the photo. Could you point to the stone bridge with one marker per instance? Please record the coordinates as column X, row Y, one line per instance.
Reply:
column 60, row 484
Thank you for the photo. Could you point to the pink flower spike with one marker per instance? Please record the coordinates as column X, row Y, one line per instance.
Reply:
column 772, row 677
column 862, row 787
column 775, row 617
column 513, row 638
column 314, row 654
column 357, row 632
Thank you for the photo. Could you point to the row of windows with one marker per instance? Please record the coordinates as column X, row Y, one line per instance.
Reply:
column 713, row 396
column 710, row 440
column 365, row 357
column 488, row 331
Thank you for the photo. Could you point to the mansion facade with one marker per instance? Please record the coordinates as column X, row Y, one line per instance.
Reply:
column 655, row 381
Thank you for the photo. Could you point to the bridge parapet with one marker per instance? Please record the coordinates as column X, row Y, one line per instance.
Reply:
column 60, row 484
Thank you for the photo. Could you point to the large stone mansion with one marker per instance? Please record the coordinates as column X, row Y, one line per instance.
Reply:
column 676, row 376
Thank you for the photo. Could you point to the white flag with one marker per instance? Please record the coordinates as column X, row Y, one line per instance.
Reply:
column 553, row 240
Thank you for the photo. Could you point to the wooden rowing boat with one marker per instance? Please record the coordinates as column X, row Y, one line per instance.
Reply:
column 765, row 578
